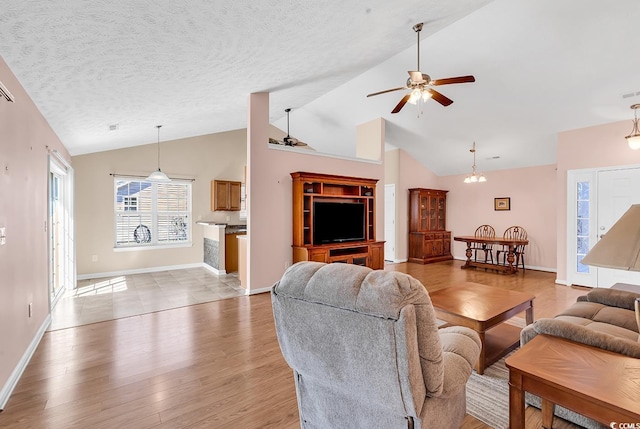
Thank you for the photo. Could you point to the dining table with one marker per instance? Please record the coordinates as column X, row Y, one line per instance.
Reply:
column 510, row 243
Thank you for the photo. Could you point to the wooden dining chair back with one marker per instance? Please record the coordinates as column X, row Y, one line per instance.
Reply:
column 484, row 231
column 514, row 233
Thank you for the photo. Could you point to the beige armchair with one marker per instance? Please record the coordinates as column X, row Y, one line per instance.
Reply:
column 366, row 351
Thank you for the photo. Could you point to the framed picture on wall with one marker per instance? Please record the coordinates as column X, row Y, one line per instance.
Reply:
column 503, row 203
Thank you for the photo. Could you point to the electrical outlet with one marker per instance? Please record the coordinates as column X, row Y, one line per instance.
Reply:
column 94, row 258
column 3, row 236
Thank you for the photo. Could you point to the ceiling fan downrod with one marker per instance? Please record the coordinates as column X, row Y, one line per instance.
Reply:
column 287, row 140
column 418, row 28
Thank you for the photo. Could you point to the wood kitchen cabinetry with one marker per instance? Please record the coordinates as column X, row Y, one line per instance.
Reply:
column 225, row 195
column 429, row 241
column 309, row 188
column 231, row 255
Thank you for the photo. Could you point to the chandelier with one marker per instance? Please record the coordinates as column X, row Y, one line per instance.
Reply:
column 474, row 177
column 634, row 138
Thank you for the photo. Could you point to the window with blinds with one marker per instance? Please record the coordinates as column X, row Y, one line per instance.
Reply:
column 151, row 214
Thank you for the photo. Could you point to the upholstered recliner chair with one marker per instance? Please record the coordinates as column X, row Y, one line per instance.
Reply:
column 366, row 351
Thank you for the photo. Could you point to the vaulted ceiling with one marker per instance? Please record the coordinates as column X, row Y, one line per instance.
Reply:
column 541, row 67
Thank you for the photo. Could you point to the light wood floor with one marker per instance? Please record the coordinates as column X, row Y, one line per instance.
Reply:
column 216, row 364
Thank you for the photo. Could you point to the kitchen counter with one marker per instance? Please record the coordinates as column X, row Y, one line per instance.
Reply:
column 221, row 254
column 229, row 229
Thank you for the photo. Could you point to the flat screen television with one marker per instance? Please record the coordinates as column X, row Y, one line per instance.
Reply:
column 337, row 222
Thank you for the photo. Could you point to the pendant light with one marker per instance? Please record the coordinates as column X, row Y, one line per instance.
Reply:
column 473, row 177
column 158, row 175
column 634, row 138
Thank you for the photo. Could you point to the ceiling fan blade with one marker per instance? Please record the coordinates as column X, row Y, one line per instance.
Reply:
column 445, row 101
column 450, row 80
column 401, row 104
column 416, row 76
column 386, row 90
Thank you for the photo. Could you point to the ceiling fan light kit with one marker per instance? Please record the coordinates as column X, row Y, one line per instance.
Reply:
column 158, row 175
column 474, row 177
column 420, row 85
column 633, row 139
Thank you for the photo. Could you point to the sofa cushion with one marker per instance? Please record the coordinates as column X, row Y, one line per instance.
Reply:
column 613, row 297
column 597, row 312
column 583, row 334
column 607, row 328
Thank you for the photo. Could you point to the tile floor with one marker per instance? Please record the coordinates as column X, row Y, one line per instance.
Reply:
column 108, row 298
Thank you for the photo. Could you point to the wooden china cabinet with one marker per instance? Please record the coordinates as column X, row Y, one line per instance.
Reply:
column 429, row 241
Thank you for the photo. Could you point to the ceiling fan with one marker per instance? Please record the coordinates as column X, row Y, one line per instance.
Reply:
column 288, row 140
column 420, row 85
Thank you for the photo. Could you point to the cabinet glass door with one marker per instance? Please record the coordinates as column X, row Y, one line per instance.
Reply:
column 433, row 224
column 441, row 214
column 424, row 210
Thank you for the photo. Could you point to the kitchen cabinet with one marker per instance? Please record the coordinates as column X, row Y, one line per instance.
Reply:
column 225, row 195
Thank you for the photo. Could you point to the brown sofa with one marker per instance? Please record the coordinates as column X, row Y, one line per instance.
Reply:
column 603, row 318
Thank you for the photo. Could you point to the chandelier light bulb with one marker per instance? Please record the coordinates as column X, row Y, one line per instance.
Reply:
column 414, row 97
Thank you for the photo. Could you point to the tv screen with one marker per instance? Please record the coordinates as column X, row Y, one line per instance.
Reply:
column 335, row 222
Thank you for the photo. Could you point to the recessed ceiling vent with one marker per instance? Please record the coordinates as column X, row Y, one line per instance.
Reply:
column 114, row 127
column 4, row 92
column 631, row 94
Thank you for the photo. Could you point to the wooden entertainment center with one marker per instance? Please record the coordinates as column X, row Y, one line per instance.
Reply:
column 312, row 188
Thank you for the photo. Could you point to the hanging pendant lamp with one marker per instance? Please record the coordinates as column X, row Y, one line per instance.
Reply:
column 634, row 138
column 473, row 177
column 158, row 175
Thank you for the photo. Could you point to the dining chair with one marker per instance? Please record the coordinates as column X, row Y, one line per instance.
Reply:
column 515, row 233
column 484, row 231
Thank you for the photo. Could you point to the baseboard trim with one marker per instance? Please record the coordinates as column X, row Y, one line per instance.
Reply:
column 395, row 261
column 257, row 291
column 12, row 382
column 214, row 270
column 140, row 271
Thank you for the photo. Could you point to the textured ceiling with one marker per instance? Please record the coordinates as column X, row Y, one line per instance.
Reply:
column 542, row 66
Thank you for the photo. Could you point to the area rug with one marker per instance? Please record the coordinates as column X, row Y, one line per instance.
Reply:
column 488, row 394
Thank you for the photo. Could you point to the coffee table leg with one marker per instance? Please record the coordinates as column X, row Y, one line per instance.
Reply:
column 482, row 358
column 516, row 401
column 548, row 408
column 529, row 314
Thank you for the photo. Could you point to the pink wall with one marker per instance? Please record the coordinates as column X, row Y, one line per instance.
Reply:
column 599, row 146
column 270, row 198
column 24, row 162
column 533, row 206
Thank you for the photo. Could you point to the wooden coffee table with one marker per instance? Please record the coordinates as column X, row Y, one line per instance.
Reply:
column 593, row 382
column 483, row 309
